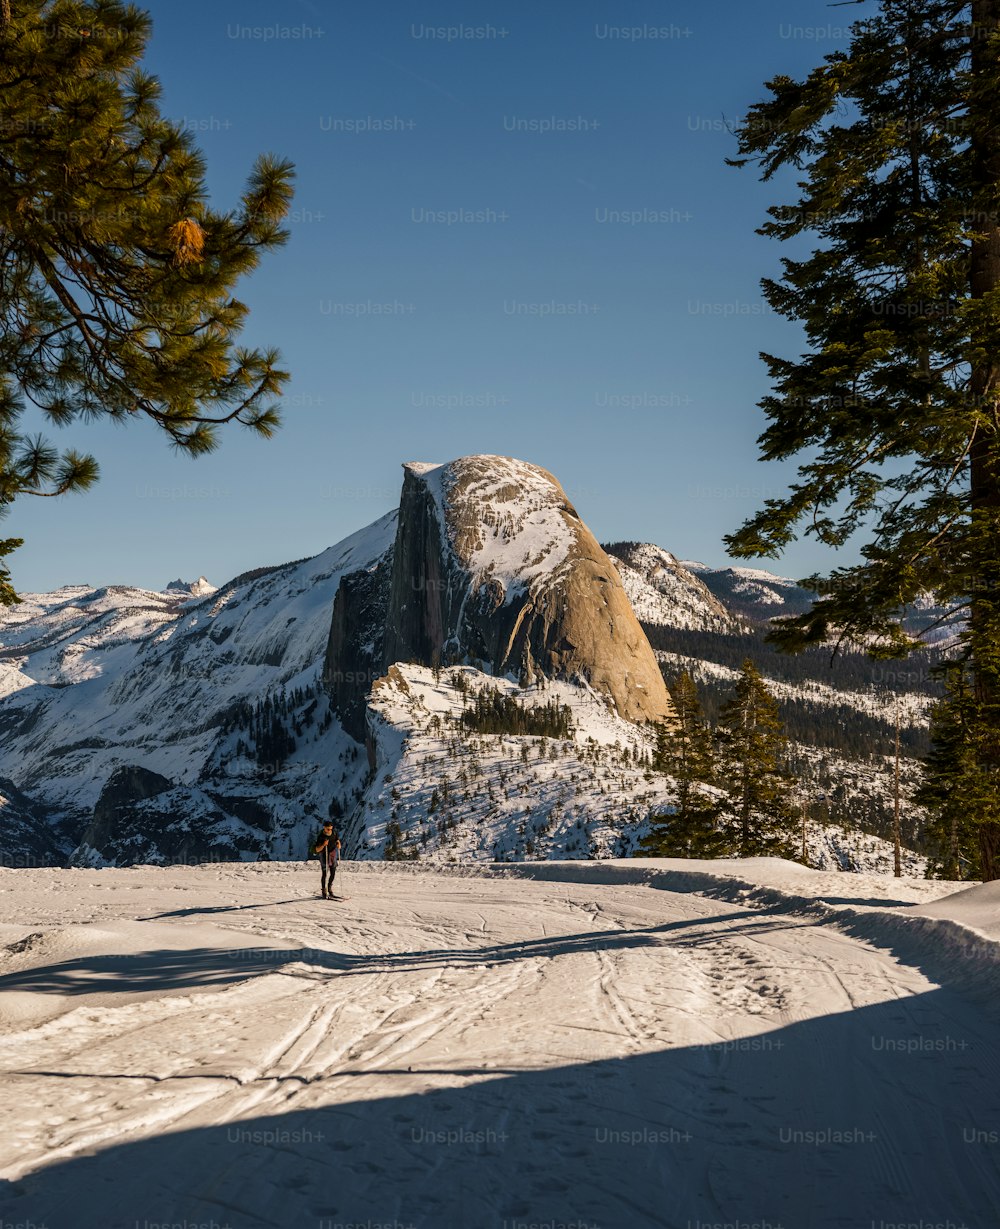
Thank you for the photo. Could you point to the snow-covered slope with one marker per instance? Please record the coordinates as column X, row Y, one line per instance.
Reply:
column 455, row 795
column 666, row 593
column 100, row 679
column 57, row 638
column 459, row 795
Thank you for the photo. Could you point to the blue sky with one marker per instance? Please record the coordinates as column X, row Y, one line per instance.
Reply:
column 522, row 239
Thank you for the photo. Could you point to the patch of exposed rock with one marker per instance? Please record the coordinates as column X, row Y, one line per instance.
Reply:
column 27, row 838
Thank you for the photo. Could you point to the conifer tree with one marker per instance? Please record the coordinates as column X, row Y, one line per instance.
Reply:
column 895, row 147
column 758, row 816
column 684, row 752
column 954, row 790
column 116, row 275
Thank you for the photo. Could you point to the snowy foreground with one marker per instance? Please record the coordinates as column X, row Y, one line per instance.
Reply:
column 608, row 1045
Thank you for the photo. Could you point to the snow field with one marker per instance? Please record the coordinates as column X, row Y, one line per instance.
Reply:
column 543, row 1043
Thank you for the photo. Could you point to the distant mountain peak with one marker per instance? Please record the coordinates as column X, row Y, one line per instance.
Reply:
column 197, row 588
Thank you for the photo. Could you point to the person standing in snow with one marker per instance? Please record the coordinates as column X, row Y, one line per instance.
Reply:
column 327, row 848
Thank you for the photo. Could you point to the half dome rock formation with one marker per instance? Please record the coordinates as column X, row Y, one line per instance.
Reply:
column 492, row 564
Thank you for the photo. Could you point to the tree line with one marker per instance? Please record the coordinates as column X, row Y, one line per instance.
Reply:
column 734, row 792
column 492, row 712
column 735, row 785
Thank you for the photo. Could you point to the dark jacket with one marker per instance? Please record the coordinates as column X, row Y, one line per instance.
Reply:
column 327, row 847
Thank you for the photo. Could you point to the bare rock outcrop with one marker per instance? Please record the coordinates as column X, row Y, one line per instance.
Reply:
column 492, row 564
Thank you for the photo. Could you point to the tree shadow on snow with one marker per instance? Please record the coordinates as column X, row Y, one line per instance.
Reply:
column 186, row 969
column 887, row 1113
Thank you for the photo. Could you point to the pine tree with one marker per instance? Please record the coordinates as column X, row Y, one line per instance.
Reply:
column 954, row 790
column 393, row 851
column 116, row 276
column 896, row 149
column 758, row 816
column 684, row 752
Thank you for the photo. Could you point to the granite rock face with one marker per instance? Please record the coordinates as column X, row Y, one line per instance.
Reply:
column 27, row 837
column 492, row 564
column 142, row 816
column 355, row 649
column 126, row 786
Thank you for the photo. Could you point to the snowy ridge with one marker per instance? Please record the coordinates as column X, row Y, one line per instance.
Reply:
column 50, row 637
column 663, row 592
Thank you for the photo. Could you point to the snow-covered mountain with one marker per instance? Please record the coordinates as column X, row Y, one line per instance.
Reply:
column 492, row 563
column 665, row 592
column 752, row 593
column 94, row 681
column 197, row 724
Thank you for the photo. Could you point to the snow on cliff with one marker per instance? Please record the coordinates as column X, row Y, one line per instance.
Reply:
column 513, row 530
column 96, row 679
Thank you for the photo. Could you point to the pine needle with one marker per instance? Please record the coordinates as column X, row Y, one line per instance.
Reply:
column 188, row 241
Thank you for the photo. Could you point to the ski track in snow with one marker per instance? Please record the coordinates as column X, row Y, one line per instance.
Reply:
column 215, row 1045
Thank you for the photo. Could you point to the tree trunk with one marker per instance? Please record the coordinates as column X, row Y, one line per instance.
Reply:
column 952, row 869
column 984, row 579
column 897, row 866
